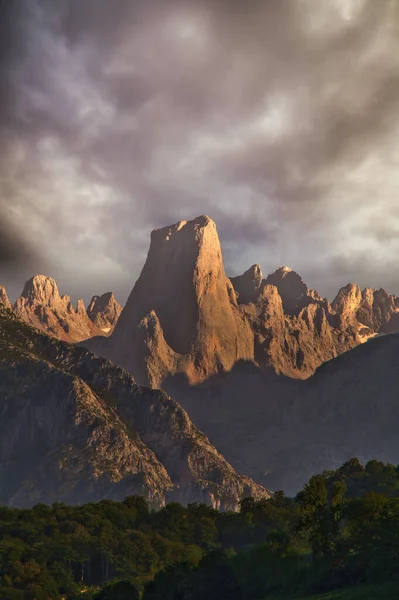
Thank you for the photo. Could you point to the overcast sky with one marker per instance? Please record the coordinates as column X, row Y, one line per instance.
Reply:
column 277, row 118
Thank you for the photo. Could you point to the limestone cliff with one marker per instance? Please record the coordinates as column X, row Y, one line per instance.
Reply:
column 77, row 428
column 295, row 329
column 4, row 298
column 104, row 311
column 41, row 306
column 375, row 311
column 248, row 285
column 294, row 292
column 182, row 315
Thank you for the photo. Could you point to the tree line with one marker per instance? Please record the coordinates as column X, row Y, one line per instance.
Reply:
column 341, row 530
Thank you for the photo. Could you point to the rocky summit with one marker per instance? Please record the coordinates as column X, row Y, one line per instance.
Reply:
column 4, row 298
column 42, row 306
column 182, row 315
column 185, row 317
column 77, row 428
column 219, row 346
column 104, row 311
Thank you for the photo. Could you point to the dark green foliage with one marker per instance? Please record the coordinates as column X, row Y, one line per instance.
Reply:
column 341, row 530
column 120, row 590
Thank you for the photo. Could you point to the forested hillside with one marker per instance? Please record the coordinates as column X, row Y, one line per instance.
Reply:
column 341, row 531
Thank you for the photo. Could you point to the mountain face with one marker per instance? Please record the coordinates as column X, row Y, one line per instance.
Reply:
column 185, row 317
column 295, row 329
column 104, row 311
column 376, row 311
column 4, row 298
column 182, row 315
column 77, row 428
column 41, row 306
column 281, row 431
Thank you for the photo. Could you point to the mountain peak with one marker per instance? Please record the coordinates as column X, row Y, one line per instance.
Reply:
column 197, row 224
column 284, row 270
column 41, row 305
column 4, row 297
column 348, row 299
column 291, row 288
column 200, row 328
column 41, row 289
column 248, row 284
column 104, row 311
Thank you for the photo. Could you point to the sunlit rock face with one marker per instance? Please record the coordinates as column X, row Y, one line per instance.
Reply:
column 295, row 329
column 4, row 297
column 104, row 311
column 41, row 306
column 182, row 315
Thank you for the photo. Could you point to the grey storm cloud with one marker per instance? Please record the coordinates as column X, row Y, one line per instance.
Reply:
column 278, row 118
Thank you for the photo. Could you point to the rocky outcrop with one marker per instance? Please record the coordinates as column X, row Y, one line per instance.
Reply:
column 182, row 315
column 41, row 306
column 185, row 317
column 294, row 292
column 77, row 428
column 375, row 311
column 4, row 298
column 248, row 285
column 104, row 311
column 295, row 329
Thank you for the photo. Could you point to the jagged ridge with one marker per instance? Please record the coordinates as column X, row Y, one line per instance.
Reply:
column 75, row 427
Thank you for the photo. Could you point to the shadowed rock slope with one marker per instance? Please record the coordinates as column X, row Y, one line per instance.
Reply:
column 282, row 431
column 77, row 428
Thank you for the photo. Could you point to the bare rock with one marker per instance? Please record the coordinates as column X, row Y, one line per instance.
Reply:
column 200, row 328
column 41, row 306
column 295, row 328
column 374, row 311
column 294, row 292
column 77, row 428
column 104, row 311
column 248, row 285
column 4, row 298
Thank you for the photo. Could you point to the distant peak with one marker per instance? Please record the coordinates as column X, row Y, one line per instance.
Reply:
column 256, row 270
column 248, row 284
column 80, row 307
column 348, row 299
column 40, row 288
column 104, row 311
column 4, row 297
column 294, row 292
column 282, row 272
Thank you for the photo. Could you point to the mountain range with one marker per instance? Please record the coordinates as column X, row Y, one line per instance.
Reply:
column 42, row 306
column 279, row 379
column 77, row 428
